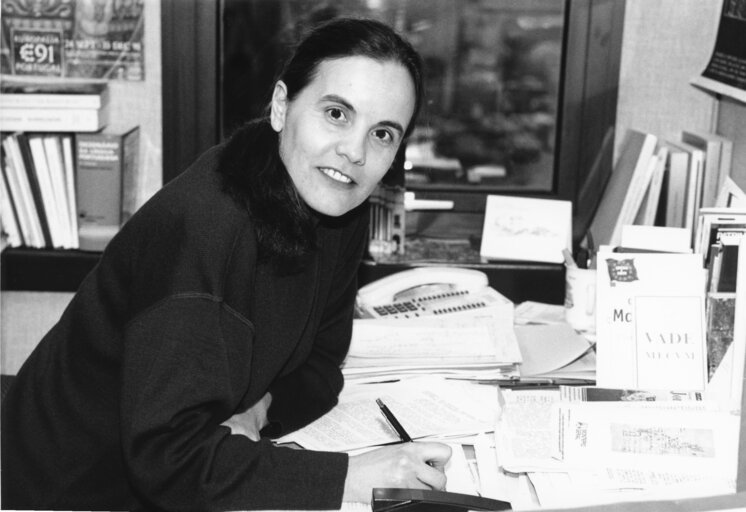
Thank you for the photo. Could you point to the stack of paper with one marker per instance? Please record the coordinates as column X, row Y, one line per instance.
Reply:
column 578, row 452
column 478, row 346
column 426, row 407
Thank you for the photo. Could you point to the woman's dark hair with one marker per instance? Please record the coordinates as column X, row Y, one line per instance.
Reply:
column 351, row 37
column 253, row 171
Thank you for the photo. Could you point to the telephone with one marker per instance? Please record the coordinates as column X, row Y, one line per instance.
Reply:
column 419, row 500
column 427, row 291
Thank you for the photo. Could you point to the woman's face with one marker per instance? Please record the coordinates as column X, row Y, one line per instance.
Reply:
column 339, row 135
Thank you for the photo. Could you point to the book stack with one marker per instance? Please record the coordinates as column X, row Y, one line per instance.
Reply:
column 662, row 182
column 53, row 106
column 65, row 176
column 38, row 187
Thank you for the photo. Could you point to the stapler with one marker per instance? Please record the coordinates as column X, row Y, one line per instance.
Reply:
column 391, row 499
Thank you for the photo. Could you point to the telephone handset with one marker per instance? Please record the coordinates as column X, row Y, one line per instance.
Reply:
column 426, row 291
column 420, row 500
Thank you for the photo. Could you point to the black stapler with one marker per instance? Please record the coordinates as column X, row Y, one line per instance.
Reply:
column 419, row 500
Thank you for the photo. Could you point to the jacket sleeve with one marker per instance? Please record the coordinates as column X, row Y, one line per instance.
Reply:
column 178, row 384
column 313, row 389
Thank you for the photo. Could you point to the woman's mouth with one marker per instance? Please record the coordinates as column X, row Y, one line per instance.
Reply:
column 336, row 175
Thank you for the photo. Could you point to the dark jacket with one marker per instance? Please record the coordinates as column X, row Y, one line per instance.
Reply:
column 179, row 327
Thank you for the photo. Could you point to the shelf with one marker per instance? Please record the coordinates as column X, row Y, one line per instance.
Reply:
column 45, row 269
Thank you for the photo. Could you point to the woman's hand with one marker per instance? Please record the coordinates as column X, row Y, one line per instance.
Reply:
column 250, row 422
column 417, row 465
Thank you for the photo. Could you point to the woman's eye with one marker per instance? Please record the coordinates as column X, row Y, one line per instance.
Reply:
column 384, row 136
column 336, row 114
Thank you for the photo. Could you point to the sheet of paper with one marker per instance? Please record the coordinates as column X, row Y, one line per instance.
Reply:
column 613, row 485
column 424, row 407
column 525, row 432
column 548, row 347
column 685, row 437
column 445, row 340
column 530, row 312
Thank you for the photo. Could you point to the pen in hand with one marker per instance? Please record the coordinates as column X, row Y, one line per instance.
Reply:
column 393, row 422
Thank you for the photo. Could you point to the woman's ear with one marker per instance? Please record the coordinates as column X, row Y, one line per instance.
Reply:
column 279, row 106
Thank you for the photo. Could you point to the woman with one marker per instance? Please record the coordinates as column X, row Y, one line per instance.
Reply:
column 221, row 312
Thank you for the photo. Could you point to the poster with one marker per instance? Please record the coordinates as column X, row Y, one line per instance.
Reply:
column 87, row 39
column 726, row 71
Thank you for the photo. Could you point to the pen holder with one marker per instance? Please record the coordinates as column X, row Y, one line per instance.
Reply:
column 580, row 298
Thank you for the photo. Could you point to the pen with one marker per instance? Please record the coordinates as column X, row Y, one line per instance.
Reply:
column 393, row 422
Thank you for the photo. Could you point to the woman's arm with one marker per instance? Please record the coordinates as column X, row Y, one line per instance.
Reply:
column 178, row 385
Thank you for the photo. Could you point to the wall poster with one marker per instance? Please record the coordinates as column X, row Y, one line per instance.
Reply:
column 726, row 71
column 86, row 39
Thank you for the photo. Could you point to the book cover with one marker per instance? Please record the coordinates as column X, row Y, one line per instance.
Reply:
column 68, row 159
column 711, row 148
column 526, row 229
column 20, row 189
column 718, row 224
column 54, row 119
column 648, row 211
column 677, row 179
column 22, row 141
column 55, row 163
column 651, row 321
column 48, row 193
column 12, row 234
column 103, row 160
column 721, row 317
column 694, row 184
column 624, row 191
column 53, row 95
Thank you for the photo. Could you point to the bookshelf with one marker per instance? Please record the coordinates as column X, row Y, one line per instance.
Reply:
column 131, row 103
column 44, row 269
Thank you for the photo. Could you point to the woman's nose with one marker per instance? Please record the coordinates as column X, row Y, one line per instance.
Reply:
column 352, row 147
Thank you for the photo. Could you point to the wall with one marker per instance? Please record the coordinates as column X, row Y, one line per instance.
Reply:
column 665, row 44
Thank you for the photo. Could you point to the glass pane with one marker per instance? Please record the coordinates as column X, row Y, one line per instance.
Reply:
column 492, row 78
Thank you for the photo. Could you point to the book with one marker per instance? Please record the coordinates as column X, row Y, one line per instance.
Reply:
column 694, row 184
column 21, row 139
column 625, row 189
column 94, row 95
column 715, row 225
column 11, row 230
column 48, row 190
column 711, row 148
column 727, row 380
column 103, row 160
column 731, row 195
column 53, row 119
column 648, row 211
column 20, row 190
column 721, row 311
column 526, row 229
column 651, row 321
column 68, row 159
column 676, row 178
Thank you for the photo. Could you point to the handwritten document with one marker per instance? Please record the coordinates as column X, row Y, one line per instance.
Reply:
column 424, row 407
